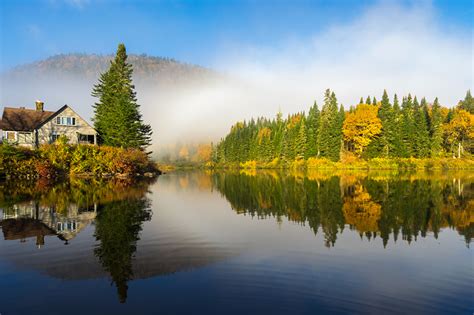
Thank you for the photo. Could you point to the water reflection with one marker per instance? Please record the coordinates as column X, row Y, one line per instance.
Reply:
column 118, row 209
column 372, row 204
column 118, row 225
column 112, row 232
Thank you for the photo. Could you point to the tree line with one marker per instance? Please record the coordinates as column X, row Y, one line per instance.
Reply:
column 387, row 129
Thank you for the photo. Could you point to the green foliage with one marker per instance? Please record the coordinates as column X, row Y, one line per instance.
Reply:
column 436, row 129
column 421, row 140
column 117, row 116
column 468, row 103
column 330, row 129
column 312, row 126
column 412, row 130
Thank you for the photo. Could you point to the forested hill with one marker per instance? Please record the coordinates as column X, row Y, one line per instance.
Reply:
column 390, row 128
column 89, row 66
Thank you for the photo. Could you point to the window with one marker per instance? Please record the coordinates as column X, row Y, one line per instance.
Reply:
column 11, row 135
column 54, row 136
column 66, row 121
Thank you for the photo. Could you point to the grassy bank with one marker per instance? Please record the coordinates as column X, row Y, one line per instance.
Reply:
column 62, row 160
column 357, row 164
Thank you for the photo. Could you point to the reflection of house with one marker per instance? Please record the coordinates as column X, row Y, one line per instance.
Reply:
column 29, row 219
column 33, row 127
column 23, row 228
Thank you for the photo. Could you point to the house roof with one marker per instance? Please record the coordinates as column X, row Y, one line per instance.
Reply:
column 22, row 119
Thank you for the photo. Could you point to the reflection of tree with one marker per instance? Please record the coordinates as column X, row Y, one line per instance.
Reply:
column 384, row 206
column 360, row 211
column 121, row 205
column 118, row 225
column 317, row 203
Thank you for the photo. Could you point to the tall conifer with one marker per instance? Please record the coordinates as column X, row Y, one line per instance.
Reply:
column 117, row 116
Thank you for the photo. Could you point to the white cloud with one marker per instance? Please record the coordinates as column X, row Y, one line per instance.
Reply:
column 403, row 49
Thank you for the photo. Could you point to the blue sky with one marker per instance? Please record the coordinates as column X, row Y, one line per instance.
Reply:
column 190, row 31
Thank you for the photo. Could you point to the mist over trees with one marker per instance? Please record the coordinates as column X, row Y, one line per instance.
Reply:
column 371, row 129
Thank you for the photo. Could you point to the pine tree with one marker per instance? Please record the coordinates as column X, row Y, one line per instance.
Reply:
column 367, row 101
column 421, row 143
column 330, row 128
column 301, row 141
column 436, row 129
column 408, row 126
column 468, row 103
column 398, row 144
column 386, row 116
column 312, row 124
column 374, row 101
column 117, row 116
column 361, row 100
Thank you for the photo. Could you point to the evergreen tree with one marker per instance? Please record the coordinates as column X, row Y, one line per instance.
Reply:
column 374, row 101
column 468, row 103
column 312, row 124
column 386, row 116
column 301, row 141
column 398, row 149
column 436, row 129
column 408, row 126
column 117, row 116
column 420, row 143
column 367, row 101
column 330, row 128
column 361, row 100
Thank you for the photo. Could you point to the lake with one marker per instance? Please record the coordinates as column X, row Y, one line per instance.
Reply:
column 248, row 242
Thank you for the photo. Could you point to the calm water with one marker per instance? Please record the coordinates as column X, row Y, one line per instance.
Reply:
column 240, row 243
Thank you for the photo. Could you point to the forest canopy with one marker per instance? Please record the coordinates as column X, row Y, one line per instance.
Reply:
column 389, row 128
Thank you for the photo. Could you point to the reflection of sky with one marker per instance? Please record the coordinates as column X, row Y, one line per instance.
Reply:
column 267, row 267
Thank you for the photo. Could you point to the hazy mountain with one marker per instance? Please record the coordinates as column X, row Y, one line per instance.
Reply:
column 89, row 67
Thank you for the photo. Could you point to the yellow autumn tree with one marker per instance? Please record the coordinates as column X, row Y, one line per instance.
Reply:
column 460, row 130
column 203, row 153
column 263, row 133
column 361, row 126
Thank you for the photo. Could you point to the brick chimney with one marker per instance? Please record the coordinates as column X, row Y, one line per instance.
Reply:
column 39, row 106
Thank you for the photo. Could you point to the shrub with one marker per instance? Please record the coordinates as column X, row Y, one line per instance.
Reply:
column 62, row 158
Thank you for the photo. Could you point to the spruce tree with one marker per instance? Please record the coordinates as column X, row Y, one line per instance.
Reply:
column 312, row 124
column 421, row 143
column 436, row 129
column 408, row 126
column 386, row 116
column 301, row 141
column 367, row 101
column 468, row 103
column 398, row 149
column 330, row 128
column 117, row 116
